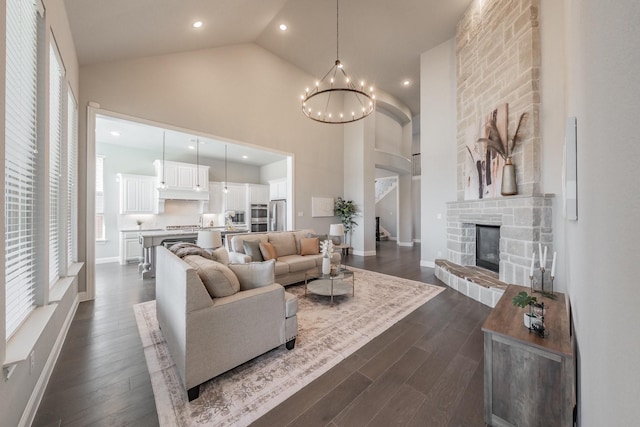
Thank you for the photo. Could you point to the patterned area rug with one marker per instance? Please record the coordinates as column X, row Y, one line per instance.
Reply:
column 326, row 335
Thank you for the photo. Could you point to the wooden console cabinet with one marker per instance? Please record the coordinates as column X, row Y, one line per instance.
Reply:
column 528, row 380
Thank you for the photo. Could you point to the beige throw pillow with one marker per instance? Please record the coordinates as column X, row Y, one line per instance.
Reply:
column 254, row 274
column 219, row 280
column 221, row 255
column 309, row 246
column 268, row 251
column 284, row 243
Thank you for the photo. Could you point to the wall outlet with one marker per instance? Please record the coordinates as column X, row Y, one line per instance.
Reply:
column 300, row 213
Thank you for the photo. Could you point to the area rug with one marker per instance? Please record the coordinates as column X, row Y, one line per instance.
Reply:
column 326, row 335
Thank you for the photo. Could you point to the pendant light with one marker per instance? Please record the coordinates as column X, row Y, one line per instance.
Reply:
column 225, row 190
column 163, row 184
column 197, row 164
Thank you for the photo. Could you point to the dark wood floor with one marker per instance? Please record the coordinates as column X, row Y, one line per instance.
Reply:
column 424, row 371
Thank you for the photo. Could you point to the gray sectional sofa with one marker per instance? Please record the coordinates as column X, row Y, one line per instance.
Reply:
column 216, row 317
column 291, row 263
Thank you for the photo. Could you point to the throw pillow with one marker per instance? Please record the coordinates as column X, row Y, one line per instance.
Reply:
column 254, row 274
column 309, row 246
column 221, row 255
column 252, row 248
column 321, row 238
column 216, row 277
column 268, row 251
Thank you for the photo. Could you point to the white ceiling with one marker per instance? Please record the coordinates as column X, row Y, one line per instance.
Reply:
column 380, row 40
column 148, row 137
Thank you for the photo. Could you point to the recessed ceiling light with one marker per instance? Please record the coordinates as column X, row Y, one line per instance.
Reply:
column 245, row 157
column 191, row 147
column 406, row 83
column 197, row 24
column 283, row 27
column 115, row 133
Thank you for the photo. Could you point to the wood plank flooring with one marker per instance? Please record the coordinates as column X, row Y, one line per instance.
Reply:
column 426, row 370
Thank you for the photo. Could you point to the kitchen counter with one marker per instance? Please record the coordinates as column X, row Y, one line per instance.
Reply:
column 149, row 239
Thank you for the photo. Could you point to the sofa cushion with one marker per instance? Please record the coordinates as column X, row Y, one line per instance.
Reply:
column 268, row 251
column 282, row 268
column 299, row 263
column 309, row 246
column 221, row 255
column 252, row 248
column 183, row 249
column 219, row 280
column 290, row 304
column 284, row 243
column 254, row 274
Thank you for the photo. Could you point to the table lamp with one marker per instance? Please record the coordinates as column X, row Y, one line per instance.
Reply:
column 336, row 230
column 209, row 239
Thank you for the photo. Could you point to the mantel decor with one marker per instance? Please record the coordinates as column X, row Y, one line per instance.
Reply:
column 335, row 98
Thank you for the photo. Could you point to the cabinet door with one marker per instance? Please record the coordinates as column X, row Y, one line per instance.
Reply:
column 132, row 249
column 171, row 176
column 201, row 176
column 137, row 194
column 258, row 194
column 236, row 198
column 130, row 196
column 278, row 189
column 146, row 195
column 186, row 177
column 216, row 198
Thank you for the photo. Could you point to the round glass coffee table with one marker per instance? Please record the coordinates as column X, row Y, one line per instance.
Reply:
column 341, row 282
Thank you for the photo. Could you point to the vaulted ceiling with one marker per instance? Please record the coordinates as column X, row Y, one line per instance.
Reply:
column 380, row 40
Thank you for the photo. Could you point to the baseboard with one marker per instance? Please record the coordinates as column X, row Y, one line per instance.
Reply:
column 417, row 241
column 83, row 296
column 425, row 263
column 107, row 260
column 393, row 238
column 407, row 244
column 31, row 409
column 364, row 253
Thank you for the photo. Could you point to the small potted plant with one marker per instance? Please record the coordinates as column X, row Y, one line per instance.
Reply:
column 139, row 222
column 533, row 317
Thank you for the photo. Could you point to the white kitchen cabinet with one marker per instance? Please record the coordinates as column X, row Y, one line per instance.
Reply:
column 216, row 198
column 236, row 197
column 130, row 247
column 258, row 194
column 182, row 176
column 278, row 189
column 137, row 194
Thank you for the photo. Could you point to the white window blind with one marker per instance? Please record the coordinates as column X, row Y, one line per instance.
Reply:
column 72, row 179
column 56, row 116
column 20, row 161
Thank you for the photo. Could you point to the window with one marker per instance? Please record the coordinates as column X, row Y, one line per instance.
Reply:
column 72, row 178
column 100, row 229
column 21, row 163
column 56, row 128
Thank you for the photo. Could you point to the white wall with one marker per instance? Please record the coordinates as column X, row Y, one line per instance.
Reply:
column 240, row 92
column 388, row 133
column 437, row 147
column 603, row 60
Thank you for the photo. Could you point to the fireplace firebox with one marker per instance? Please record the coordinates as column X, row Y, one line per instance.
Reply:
column 488, row 247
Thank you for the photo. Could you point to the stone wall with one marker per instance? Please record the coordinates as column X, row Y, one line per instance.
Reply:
column 524, row 222
column 498, row 61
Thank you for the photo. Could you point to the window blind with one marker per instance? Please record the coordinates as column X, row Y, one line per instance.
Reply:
column 72, row 179
column 20, row 161
column 56, row 115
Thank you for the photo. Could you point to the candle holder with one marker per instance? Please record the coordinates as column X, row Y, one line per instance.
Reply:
column 542, row 290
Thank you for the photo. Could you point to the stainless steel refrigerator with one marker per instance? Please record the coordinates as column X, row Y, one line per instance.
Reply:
column 277, row 215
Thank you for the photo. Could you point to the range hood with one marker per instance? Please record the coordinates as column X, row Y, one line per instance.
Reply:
column 180, row 180
column 182, row 194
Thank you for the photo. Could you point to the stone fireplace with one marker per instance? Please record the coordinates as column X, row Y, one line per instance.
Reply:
column 524, row 222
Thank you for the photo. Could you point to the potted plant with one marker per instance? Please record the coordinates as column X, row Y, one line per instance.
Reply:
column 534, row 316
column 346, row 210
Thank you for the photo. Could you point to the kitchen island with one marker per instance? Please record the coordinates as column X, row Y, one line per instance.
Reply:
column 150, row 239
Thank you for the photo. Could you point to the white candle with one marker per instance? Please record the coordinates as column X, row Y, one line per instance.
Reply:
column 553, row 265
column 533, row 260
column 540, row 253
column 544, row 258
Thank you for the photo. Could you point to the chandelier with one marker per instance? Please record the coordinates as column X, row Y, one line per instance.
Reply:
column 337, row 98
